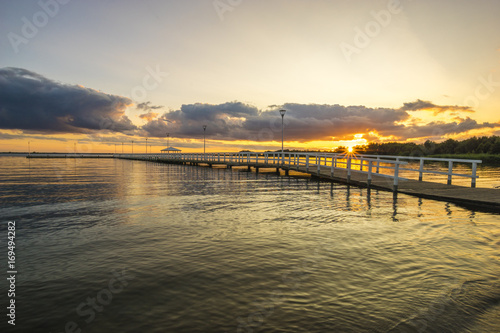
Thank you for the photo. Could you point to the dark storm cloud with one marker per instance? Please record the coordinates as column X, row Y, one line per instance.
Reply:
column 303, row 122
column 31, row 102
column 426, row 105
column 224, row 121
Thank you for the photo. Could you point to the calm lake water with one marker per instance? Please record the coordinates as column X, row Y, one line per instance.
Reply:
column 108, row 245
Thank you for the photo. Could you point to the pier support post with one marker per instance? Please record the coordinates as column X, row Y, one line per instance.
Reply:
column 396, row 178
column 473, row 180
column 287, row 172
column 349, row 169
column 450, row 171
column 421, row 170
column 369, row 180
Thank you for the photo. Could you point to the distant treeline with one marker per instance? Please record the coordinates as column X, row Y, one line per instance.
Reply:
column 474, row 145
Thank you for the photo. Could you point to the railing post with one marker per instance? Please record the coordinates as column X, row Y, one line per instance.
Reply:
column 361, row 164
column 450, row 171
column 474, row 169
column 378, row 164
column 349, row 169
column 319, row 165
column 421, row 170
column 369, row 180
column 332, row 170
column 307, row 163
column 396, row 177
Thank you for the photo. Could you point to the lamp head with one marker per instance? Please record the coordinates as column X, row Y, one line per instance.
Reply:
column 204, row 127
column 282, row 113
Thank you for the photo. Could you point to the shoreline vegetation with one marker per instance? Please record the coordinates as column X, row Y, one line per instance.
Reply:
column 482, row 148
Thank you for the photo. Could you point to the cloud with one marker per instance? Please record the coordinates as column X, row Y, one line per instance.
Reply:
column 303, row 122
column 419, row 105
column 146, row 106
column 224, row 121
column 148, row 116
column 439, row 129
column 33, row 103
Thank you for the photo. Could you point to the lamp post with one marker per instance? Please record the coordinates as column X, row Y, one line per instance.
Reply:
column 29, row 149
column 132, row 146
column 146, row 145
column 204, row 129
column 115, row 148
column 74, row 147
column 122, row 147
column 282, row 113
column 168, row 141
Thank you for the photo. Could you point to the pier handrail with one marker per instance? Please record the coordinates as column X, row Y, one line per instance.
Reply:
column 423, row 159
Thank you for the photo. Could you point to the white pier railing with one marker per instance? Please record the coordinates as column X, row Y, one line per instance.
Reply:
column 421, row 162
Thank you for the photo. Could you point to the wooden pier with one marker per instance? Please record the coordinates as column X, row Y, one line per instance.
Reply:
column 358, row 170
column 378, row 172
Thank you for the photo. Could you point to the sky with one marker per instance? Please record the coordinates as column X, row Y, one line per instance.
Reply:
column 104, row 76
